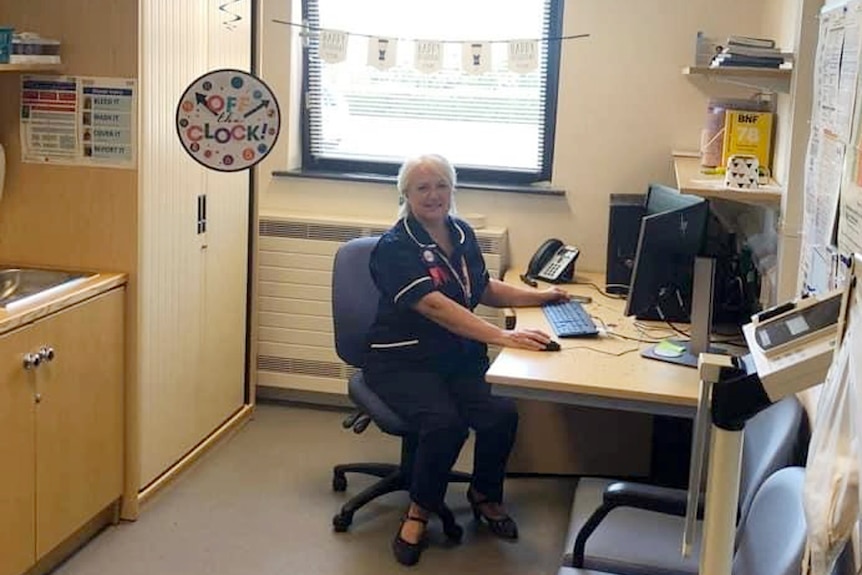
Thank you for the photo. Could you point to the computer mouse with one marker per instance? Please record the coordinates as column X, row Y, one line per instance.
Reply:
column 552, row 346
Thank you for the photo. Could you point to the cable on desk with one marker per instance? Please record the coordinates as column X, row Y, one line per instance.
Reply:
column 677, row 330
column 649, row 331
column 619, row 335
column 731, row 341
column 630, row 338
column 603, row 292
column 602, row 351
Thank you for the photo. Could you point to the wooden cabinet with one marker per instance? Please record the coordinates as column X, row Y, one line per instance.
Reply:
column 17, row 455
column 192, row 281
column 62, row 427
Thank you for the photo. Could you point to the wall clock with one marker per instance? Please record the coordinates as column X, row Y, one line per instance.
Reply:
column 228, row 120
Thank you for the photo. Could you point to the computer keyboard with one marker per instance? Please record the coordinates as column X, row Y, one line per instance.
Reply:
column 569, row 319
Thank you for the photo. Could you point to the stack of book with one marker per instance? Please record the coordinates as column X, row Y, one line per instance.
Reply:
column 30, row 48
column 749, row 52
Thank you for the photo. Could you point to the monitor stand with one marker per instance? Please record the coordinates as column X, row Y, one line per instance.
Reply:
column 701, row 321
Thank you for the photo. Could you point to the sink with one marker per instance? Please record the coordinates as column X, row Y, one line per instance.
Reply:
column 18, row 285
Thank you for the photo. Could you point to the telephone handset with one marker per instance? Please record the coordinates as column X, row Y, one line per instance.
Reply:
column 553, row 262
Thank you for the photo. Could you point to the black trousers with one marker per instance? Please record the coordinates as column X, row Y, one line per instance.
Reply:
column 441, row 405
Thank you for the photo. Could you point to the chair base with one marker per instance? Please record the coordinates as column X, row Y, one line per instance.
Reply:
column 393, row 478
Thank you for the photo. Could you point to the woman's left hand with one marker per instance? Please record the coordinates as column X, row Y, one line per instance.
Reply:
column 554, row 294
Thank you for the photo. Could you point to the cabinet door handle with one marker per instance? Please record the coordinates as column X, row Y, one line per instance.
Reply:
column 32, row 360
column 46, row 353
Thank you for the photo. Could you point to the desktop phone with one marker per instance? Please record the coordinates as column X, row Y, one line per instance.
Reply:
column 553, row 262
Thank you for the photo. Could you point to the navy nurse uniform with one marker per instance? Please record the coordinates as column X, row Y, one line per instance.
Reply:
column 433, row 378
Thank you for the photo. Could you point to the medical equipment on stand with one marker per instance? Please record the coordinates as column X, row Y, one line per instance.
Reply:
column 791, row 348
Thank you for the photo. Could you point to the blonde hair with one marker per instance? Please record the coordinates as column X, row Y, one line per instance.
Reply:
column 436, row 162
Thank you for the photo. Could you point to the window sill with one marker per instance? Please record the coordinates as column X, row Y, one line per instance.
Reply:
column 535, row 189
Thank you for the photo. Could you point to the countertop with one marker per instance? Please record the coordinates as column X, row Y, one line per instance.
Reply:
column 26, row 313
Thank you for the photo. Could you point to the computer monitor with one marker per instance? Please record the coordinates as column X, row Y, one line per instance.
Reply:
column 671, row 235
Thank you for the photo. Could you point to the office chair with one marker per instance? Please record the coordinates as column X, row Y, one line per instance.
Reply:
column 772, row 540
column 354, row 305
column 650, row 519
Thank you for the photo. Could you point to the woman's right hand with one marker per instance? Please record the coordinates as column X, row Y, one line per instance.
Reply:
column 532, row 339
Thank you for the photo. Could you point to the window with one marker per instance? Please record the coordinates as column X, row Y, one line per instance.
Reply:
column 496, row 127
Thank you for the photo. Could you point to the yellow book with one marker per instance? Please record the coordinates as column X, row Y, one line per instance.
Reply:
column 748, row 133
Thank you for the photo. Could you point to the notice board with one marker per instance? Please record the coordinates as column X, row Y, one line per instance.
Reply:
column 832, row 220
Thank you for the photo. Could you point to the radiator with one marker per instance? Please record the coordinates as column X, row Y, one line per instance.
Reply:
column 296, row 350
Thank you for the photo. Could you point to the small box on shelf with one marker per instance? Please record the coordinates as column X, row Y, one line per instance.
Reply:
column 5, row 43
column 31, row 48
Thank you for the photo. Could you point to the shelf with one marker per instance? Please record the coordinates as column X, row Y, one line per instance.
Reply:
column 690, row 180
column 771, row 79
column 29, row 67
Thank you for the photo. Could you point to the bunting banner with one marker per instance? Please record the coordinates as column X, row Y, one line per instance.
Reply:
column 382, row 52
column 333, row 46
column 523, row 56
column 428, row 56
column 476, row 57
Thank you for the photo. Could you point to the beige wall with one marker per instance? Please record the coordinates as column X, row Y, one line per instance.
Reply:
column 71, row 216
column 623, row 106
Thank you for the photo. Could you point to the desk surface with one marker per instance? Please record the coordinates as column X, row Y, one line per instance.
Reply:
column 586, row 371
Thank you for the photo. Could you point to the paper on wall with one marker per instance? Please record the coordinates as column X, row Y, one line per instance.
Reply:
column 75, row 120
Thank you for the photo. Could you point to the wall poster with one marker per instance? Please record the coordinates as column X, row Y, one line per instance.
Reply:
column 81, row 121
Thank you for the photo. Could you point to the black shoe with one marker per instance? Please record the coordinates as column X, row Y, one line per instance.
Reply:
column 405, row 552
column 504, row 527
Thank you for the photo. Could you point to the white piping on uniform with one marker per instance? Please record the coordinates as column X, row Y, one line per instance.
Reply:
column 460, row 231
column 395, row 344
column 410, row 286
column 413, row 237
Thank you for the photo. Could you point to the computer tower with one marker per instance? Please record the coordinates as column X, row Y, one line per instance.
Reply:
column 626, row 211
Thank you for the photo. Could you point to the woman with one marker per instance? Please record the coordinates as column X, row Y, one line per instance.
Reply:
column 428, row 350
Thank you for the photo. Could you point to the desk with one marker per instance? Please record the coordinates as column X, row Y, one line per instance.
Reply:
column 581, row 376
column 561, row 430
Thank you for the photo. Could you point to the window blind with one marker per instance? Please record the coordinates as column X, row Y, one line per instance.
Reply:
column 495, row 126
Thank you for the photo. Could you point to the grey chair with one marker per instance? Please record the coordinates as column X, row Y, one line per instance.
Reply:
column 650, row 519
column 354, row 306
column 772, row 540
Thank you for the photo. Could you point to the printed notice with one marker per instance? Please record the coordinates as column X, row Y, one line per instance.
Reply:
column 107, row 122
column 80, row 121
column 49, row 106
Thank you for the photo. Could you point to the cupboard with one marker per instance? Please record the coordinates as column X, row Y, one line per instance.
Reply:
column 192, row 299
column 61, row 419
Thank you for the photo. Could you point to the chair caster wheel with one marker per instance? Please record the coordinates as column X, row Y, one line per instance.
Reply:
column 339, row 483
column 454, row 532
column 342, row 521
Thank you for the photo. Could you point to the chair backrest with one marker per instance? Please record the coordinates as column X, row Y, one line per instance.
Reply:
column 354, row 299
column 771, row 442
column 773, row 539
